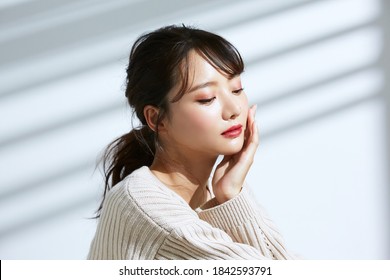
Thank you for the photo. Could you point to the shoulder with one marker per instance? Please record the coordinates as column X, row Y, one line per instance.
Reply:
column 143, row 196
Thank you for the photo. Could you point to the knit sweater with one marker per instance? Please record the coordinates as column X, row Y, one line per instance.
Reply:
column 142, row 219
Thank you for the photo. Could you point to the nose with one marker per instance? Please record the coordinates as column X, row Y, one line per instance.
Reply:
column 231, row 107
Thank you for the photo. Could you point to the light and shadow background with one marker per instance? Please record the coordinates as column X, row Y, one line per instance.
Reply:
column 318, row 71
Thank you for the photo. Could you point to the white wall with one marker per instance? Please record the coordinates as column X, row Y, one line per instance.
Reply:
column 316, row 69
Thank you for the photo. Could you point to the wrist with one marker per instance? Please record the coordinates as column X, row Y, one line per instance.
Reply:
column 224, row 197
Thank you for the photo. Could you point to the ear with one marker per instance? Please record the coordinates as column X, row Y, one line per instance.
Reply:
column 151, row 114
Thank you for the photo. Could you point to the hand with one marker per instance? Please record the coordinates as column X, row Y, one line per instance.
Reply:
column 229, row 175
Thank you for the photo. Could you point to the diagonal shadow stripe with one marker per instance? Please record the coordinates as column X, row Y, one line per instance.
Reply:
column 23, row 137
column 41, row 131
column 46, row 180
column 300, row 90
column 264, row 15
column 322, row 115
column 274, row 133
column 19, row 88
column 384, row 63
column 53, row 214
column 30, row 9
column 311, row 43
column 76, row 32
column 42, row 182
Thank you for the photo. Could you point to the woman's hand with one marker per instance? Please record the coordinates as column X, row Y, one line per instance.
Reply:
column 229, row 175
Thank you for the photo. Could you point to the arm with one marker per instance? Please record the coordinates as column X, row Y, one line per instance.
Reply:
column 233, row 209
column 198, row 239
column 246, row 222
column 233, row 230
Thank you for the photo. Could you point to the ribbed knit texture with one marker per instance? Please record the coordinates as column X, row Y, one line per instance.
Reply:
column 142, row 219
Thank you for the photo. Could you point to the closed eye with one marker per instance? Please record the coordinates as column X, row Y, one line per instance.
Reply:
column 238, row 91
column 206, row 101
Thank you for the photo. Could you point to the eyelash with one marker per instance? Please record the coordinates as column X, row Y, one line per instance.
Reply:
column 238, row 91
column 206, row 101
column 209, row 100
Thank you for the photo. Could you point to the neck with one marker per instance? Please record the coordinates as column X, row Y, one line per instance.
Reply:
column 186, row 174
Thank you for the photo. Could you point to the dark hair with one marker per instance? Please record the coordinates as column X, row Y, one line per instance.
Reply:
column 159, row 61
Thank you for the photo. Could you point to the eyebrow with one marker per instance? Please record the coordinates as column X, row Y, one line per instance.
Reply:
column 203, row 85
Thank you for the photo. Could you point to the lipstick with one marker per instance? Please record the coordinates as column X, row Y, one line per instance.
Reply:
column 233, row 131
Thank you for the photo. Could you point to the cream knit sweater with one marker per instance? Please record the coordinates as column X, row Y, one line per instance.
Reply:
column 142, row 219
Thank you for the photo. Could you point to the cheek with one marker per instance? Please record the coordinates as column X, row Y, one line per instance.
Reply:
column 243, row 101
column 198, row 121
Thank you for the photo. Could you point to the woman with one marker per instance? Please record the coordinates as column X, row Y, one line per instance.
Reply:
column 161, row 199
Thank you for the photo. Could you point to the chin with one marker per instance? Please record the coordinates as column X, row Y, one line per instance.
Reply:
column 228, row 153
column 233, row 149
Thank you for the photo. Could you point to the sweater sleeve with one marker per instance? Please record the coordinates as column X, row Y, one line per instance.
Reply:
column 247, row 223
column 200, row 241
column 142, row 219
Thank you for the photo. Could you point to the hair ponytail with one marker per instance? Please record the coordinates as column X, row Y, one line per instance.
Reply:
column 158, row 61
column 126, row 154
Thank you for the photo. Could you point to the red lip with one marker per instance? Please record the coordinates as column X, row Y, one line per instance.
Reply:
column 233, row 131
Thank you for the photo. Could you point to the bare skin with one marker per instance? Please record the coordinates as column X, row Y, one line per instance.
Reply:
column 192, row 143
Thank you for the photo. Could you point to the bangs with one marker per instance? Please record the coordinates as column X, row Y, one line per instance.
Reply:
column 225, row 59
column 217, row 51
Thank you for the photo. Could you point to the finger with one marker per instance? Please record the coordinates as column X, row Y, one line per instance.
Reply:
column 255, row 132
column 252, row 141
column 254, row 109
column 249, row 122
column 256, row 136
column 253, row 116
column 225, row 160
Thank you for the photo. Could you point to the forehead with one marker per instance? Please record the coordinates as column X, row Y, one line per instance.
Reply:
column 195, row 69
column 199, row 68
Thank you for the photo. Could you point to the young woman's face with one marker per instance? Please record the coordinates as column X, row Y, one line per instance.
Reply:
column 211, row 118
